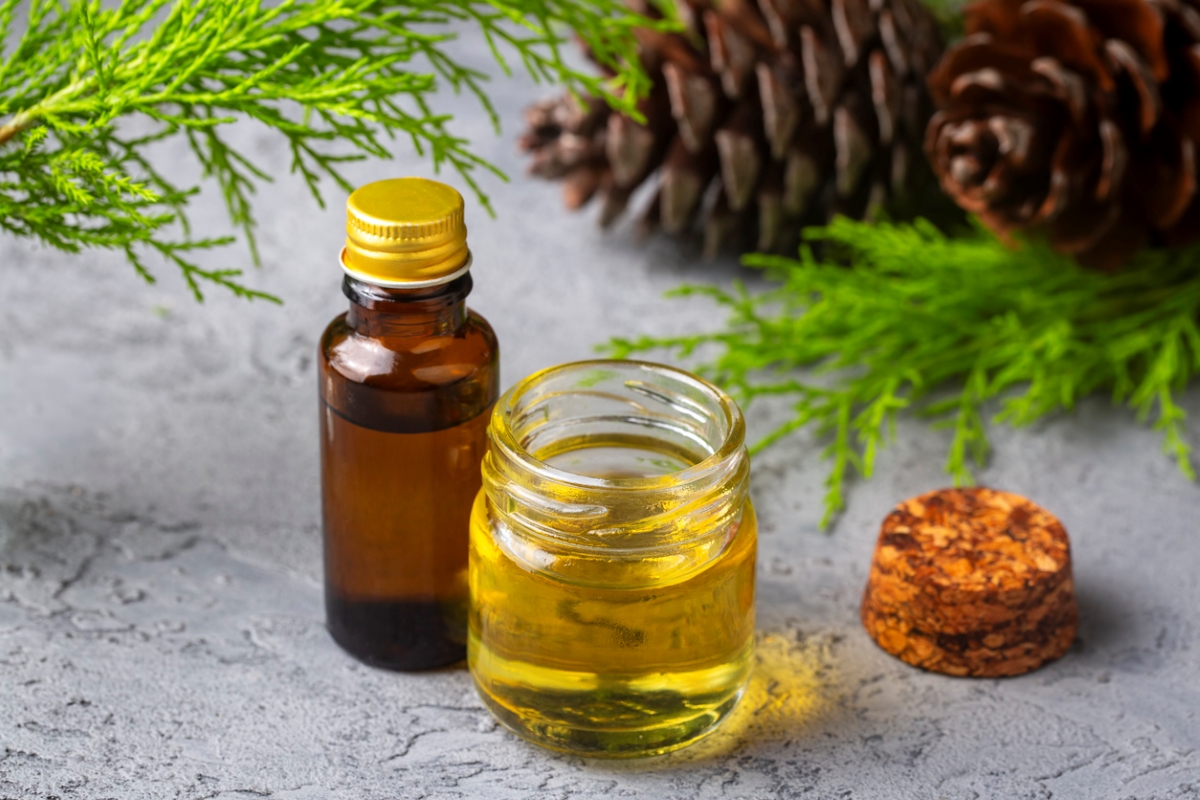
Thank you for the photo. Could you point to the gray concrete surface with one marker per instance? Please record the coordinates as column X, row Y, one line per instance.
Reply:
column 161, row 631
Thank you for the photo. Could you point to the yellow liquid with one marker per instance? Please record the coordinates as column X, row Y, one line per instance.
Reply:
column 629, row 660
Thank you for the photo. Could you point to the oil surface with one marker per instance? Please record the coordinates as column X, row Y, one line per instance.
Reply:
column 627, row 659
column 607, row 460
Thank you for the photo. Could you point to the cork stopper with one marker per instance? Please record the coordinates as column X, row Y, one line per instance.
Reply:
column 971, row 582
column 405, row 232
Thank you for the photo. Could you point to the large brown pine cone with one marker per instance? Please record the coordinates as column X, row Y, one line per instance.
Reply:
column 1076, row 118
column 765, row 115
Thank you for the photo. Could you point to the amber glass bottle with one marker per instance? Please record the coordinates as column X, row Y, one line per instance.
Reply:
column 407, row 377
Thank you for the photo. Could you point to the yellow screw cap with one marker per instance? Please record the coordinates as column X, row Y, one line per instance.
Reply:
column 405, row 232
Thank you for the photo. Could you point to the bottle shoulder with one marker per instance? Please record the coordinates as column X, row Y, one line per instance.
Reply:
column 409, row 362
column 482, row 328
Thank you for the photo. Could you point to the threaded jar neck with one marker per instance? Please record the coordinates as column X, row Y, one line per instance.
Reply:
column 665, row 471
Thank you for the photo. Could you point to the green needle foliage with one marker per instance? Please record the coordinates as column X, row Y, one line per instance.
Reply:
column 87, row 89
column 898, row 318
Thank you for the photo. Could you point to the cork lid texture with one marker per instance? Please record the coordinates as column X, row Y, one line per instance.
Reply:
column 971, row 582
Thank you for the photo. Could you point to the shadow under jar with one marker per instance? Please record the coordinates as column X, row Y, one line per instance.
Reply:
column 612, row 560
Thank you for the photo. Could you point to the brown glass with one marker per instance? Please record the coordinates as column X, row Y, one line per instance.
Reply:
column 407, row 380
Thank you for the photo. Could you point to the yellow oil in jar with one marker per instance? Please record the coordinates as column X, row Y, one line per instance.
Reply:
column 628, row 656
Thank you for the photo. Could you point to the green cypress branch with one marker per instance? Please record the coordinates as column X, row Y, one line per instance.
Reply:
column 339, row 80
column 901, row 318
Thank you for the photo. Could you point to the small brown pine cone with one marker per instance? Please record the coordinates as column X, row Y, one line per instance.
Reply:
column 766, row 115
column 1074, row 118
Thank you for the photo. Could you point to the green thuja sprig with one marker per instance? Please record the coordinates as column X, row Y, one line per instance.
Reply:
column 88, row 89
column 900, row 318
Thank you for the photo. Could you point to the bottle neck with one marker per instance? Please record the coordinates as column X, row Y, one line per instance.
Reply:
column 381, row 312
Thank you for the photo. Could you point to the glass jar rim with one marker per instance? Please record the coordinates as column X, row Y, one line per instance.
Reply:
column 732, row 443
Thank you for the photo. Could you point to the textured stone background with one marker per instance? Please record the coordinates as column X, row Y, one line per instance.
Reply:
column 161, row 631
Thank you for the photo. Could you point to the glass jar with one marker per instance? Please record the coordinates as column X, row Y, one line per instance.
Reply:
column 612, row 559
